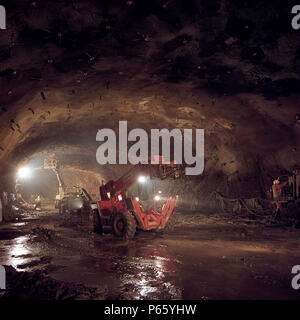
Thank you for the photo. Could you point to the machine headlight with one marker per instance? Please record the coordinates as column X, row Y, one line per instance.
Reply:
column 142, row 179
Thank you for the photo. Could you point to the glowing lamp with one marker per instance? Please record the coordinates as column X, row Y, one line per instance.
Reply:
column 24, row 172
column 142, row 179
column 157, row 198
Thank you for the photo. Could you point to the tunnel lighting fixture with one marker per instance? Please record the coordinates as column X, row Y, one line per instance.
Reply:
column 159, row 191
column 142, row 179
column 137, row 199
column 24, row 172
column 120, row 198
column 157, row 198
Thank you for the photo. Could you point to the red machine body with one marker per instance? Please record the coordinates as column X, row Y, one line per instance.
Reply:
column 123, row 215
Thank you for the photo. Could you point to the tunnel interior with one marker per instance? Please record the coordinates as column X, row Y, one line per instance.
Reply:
column 65, row 75
column 71, row 68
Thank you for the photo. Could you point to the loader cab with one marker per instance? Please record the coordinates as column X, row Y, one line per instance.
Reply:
column 106, row 191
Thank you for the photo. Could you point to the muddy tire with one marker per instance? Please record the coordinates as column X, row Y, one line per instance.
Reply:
column 97, row 222
column 124, row 225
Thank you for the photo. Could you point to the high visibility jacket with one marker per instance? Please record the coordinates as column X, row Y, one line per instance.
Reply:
column 274, row 190
column 277, row 189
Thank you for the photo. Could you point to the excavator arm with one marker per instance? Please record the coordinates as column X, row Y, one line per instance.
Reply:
column 153, row 171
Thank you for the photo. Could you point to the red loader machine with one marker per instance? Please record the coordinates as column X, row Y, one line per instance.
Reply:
column 123, row 215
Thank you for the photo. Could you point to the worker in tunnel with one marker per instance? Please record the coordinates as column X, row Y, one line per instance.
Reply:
column 277, row 190
column 38, row 202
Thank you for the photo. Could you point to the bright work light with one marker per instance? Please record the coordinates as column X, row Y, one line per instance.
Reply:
column 24, row 172
column 142, row 179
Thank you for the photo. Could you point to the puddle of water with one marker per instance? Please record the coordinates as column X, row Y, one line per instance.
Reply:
column 19, row 251
column 151, row 278
column 20, row 224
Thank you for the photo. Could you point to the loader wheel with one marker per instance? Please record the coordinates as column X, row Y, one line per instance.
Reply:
column 124, row 225
column 97, row 222
column 170, row 224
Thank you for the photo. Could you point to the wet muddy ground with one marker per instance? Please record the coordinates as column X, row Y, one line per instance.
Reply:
column 51, row 256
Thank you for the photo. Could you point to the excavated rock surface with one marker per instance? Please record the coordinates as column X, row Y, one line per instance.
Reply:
column 69, row 68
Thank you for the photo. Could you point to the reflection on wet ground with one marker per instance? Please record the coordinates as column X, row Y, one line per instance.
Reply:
column 127, row 271
column 200, row 261
column 19, row 251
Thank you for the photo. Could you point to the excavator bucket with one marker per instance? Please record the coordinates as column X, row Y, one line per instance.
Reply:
column 164, row 172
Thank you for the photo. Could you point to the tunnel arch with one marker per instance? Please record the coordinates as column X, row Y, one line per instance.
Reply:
column 57, row 92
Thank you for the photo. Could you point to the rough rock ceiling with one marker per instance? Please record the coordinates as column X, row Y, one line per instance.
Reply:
column 69, row 68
